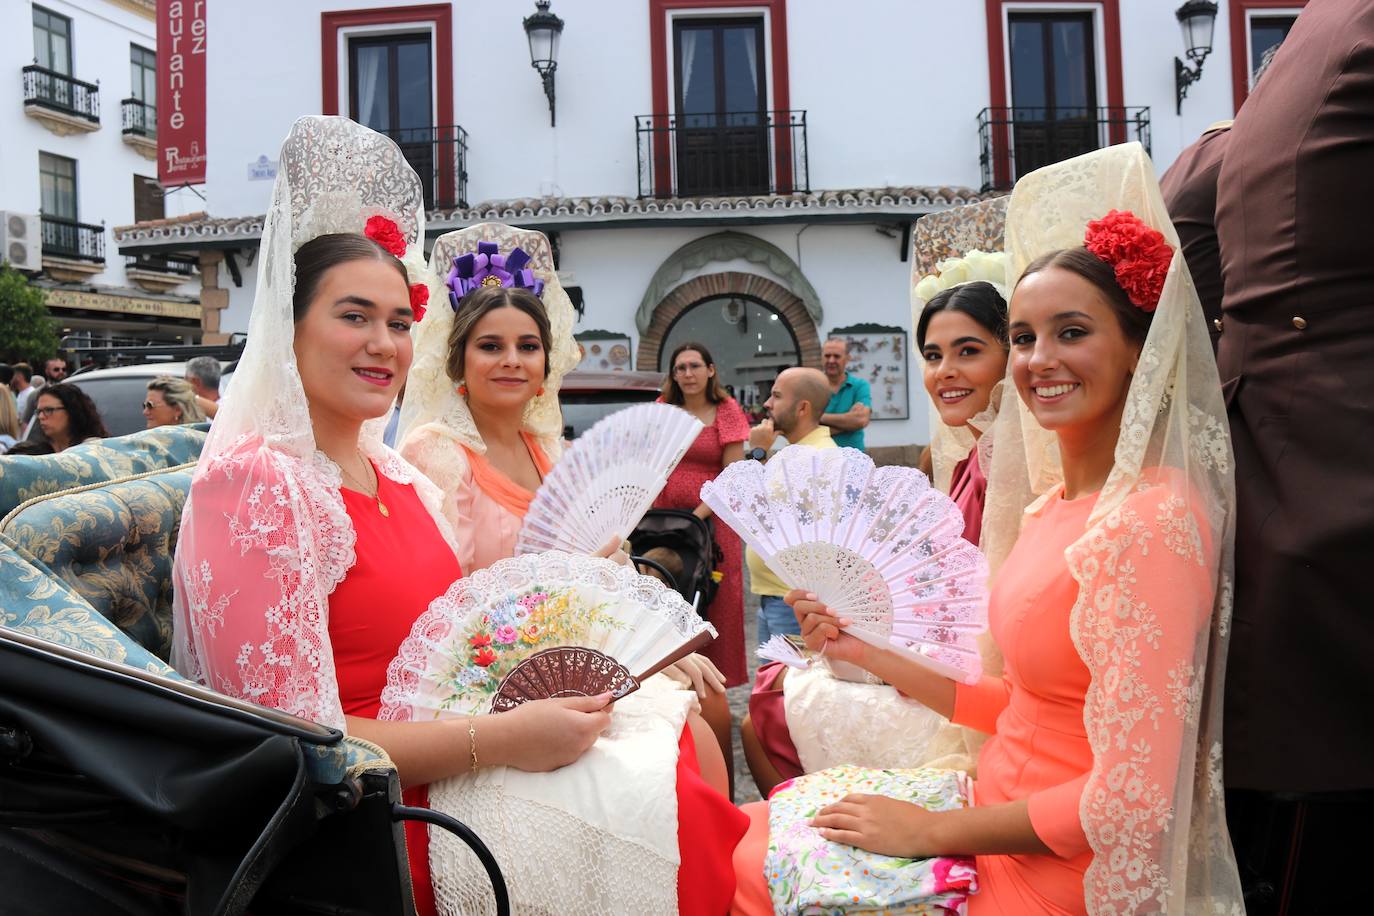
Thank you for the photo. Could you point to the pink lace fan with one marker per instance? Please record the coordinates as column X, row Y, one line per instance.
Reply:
column 606, row 481
column 880, row 546
column 541, row 625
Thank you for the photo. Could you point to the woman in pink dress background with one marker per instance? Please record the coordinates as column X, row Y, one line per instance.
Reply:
column 694, row 385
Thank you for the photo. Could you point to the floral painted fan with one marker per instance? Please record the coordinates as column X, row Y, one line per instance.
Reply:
column 879, row 546
column 604, row 483
column 538, row 626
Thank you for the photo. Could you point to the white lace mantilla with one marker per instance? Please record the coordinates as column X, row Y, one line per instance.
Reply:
column 596, row 838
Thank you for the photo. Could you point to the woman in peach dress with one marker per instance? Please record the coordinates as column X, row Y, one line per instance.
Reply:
column 481, row 420
column 1100, row 788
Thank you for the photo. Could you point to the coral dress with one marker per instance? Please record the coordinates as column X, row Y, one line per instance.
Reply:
column 403, row 564
column 1039, row 748
column 699, row 465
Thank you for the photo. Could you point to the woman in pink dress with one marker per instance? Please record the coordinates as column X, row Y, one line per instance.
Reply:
column 1100, row 788
column 693, row 385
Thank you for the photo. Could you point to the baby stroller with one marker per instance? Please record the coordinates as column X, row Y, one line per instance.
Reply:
column 681, row 550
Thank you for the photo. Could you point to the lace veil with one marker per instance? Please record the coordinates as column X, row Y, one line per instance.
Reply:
column 265, row 537
column 1151, row 622
column 432, row 397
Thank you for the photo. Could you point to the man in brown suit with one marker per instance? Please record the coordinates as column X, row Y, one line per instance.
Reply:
column 1295, row 198
column 1190, row 194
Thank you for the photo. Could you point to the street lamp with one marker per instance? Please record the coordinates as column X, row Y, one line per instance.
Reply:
column 544, row 30
column 1198, row 19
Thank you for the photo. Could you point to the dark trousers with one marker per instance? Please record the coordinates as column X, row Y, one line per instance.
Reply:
column 1301, row 854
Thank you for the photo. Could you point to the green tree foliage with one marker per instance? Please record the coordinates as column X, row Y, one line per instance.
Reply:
column 26, row 328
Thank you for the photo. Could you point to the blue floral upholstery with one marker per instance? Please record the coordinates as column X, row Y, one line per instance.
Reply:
column 112, row 544
column 35, row 602
column 25, row 477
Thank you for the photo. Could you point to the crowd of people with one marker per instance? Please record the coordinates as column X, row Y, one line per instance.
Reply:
column 1118, row 427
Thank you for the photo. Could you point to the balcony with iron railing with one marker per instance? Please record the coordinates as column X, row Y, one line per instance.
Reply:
column 161, row 272
column 1016, row 141
column 62, row 102
column 716, row 155
column 139, row 120
column 439, row 155
column 66, row 238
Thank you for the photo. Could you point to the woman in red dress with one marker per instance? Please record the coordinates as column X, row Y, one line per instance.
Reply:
column 694, row 386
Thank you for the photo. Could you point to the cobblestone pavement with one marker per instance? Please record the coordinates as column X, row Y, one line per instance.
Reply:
column 745, row 790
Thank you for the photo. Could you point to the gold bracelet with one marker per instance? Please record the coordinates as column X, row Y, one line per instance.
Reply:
column 472, row 742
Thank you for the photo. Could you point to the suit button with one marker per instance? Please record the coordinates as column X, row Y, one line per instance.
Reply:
column 1216, row 323
column 1299, row 322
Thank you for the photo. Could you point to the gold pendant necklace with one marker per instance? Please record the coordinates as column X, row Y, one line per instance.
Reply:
column 376, row 493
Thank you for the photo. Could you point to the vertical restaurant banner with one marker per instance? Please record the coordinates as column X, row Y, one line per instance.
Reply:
column 181, row 92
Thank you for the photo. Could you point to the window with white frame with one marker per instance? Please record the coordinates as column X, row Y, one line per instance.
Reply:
column 1265, row 30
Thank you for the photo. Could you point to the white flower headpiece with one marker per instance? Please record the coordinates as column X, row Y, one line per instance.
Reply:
column 989, row 267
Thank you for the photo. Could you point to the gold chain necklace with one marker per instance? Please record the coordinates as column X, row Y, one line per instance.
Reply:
column 376, row 493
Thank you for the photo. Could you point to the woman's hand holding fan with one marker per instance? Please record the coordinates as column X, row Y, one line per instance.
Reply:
column 878, row 546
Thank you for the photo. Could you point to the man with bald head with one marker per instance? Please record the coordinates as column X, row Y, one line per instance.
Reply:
column 799, row 399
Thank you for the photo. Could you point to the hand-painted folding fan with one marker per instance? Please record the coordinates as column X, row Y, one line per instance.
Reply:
column 538, row 626
column 877, row 545
column 604, row 483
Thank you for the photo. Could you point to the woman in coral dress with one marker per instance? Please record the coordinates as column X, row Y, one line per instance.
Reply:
column 693, row 385
column 481, row 420
column 1099, row 789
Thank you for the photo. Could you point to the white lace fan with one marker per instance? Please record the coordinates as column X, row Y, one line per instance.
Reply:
column 484, row 645
column 605, row 482
column 880, row 546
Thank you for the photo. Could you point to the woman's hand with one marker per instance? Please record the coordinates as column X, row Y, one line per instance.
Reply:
column 697, row 672
column 883, row 825
column 548, row 734
column 823, row 631
column 615, row 550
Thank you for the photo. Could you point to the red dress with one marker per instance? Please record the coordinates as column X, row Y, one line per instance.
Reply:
column 402, row 565
column 700, row 464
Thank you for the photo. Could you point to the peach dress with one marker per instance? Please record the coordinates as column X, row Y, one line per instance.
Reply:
column 487, row 508
column 1039, row 747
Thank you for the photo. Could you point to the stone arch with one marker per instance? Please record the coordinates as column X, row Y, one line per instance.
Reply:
column 719, row 248
column 729, row 283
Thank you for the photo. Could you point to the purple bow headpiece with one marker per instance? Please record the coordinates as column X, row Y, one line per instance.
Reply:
column 487, row 268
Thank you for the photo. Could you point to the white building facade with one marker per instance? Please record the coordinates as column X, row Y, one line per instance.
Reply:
column 77, row 149
column 743, row 172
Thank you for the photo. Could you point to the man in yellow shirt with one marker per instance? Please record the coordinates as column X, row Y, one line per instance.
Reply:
column 798, row 400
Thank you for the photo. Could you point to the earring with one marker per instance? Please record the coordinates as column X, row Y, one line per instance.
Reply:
column 462, row 389
column 540, row 392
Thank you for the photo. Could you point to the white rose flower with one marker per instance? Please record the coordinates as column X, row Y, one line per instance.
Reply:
column 928, row 288
column 953, row 271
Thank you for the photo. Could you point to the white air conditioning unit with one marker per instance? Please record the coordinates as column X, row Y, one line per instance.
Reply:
column 21, row 240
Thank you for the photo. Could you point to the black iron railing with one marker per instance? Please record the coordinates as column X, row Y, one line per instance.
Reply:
column 1015, row 141
column 139, row 117
column 65, row 238
column 59, row 92
column 163, row 264
column 738, row 153
column 439, row 155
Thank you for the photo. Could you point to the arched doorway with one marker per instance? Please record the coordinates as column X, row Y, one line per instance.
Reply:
column 750, row 342
column 753, row 326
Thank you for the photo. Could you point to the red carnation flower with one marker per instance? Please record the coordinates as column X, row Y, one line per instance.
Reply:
column 386, row 233
column 484, row 658
column 1138, row 254
column 480, row 640
column 419, row 298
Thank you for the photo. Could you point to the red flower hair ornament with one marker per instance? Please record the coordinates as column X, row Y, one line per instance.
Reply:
column 386, row 233
column 1137, row 253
